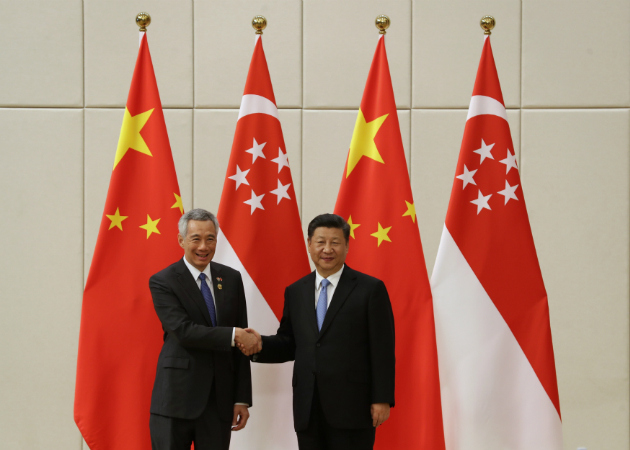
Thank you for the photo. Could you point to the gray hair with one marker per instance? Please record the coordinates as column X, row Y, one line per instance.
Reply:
column 196, row 214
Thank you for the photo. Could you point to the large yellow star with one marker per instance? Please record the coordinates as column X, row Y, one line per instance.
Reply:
column 362, row 143
column 178, row 203
column 381, row 234
column 130, row 137
column 116, row 219
column 151, row 226
column 353, row 226
column 411, row 211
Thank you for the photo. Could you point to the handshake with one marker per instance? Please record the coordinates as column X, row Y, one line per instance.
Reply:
column 248, row 341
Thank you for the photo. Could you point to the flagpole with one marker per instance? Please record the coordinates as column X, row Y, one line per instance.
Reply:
column 382, row 23
column 143, row 20
column 487, row 24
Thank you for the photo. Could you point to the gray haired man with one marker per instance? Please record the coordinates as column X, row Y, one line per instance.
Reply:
column 202, row 387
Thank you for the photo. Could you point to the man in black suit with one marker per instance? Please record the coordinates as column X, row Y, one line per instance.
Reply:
column 338, row 326
column 203, row 383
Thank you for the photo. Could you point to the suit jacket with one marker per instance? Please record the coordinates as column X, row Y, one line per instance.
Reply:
column 351, row 359
column 195, row 354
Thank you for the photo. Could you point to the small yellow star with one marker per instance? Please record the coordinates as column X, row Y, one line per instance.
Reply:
column 151, row 226
column 353, row 226
column 362, row 143
column 381, row 234
column 411, row 211
column 116, row 219
column 178, row 203
column 130, row 137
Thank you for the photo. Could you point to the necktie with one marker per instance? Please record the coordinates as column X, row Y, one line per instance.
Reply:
column 207, row 296
column 322, row 303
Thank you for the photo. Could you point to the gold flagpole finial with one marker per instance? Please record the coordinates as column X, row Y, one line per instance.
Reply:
column 143, row 20
column 259, row 23
column 382, row 23
column 487, row 24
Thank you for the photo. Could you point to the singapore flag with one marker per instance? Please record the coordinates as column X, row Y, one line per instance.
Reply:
column 261, row 236
column 497, row 371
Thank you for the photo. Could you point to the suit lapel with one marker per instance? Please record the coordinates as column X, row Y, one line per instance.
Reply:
column 219, row 296
column 189, row 284
column 308, row 293
column 347, row 282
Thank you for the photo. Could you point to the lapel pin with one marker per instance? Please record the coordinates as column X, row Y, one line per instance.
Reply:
column 219, row 286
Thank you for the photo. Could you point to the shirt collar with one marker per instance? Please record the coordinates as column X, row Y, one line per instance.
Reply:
column 195, row 272
column 334, row 278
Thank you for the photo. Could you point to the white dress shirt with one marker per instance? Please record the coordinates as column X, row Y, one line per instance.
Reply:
column 334, row 281
column 195, row 273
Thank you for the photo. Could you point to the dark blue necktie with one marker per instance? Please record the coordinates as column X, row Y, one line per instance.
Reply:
column 207, row 296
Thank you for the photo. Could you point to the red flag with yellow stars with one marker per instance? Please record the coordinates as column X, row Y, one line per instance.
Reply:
column 121, row 336
column 375, row 198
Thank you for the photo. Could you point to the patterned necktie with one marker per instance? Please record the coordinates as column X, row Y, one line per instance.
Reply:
column 322, row 303
column 207, row 296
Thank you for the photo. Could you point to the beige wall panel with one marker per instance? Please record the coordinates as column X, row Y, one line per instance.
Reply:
column 41, row 177
column 102, row 129
column 214, row 133
column 41, row 53
column 447, row 44
column 436, row 138
column 224, row 44
column 339, row 43
column 576, row 54
column 325, row 141
column 111, row 49
column 575, row 175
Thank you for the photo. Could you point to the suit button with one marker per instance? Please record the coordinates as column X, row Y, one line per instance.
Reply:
column 319, row 345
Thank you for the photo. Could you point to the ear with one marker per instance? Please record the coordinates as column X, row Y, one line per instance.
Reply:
column 180, row 239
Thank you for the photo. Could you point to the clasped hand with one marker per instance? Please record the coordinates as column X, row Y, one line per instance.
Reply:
column 248, row 341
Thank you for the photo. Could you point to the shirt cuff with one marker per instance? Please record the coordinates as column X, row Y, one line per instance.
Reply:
column 244, row 404
column 233, row 334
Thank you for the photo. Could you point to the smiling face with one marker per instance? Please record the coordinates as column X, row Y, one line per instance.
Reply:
column 200, row 243
column 328, row 250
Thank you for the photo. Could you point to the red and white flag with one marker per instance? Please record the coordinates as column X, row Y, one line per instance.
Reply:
column 261, row 236
column 497, row 370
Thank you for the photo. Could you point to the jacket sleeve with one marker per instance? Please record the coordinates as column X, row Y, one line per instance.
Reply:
column 242, row 369
column 179, row 326
column 382, row 345
column 281, row 347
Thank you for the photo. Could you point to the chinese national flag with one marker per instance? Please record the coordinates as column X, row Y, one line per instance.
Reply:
column 261, row 236
column 121, row 336
column 375, row 198
column 497, row 370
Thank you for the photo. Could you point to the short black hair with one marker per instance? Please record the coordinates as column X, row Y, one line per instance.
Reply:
column 329, row 221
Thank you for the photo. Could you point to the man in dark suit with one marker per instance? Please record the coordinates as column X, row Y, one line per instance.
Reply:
column 338, row 326
column 203, row 383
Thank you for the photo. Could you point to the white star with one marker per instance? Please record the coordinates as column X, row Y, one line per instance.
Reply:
column 467, row 176
column 281, row 192
column 481, row 202
column 484, row 151
column 282, row 160
column 508, row 192
column 510, row 161
column 256, row 150
column 239, row 177
column 255, row 202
